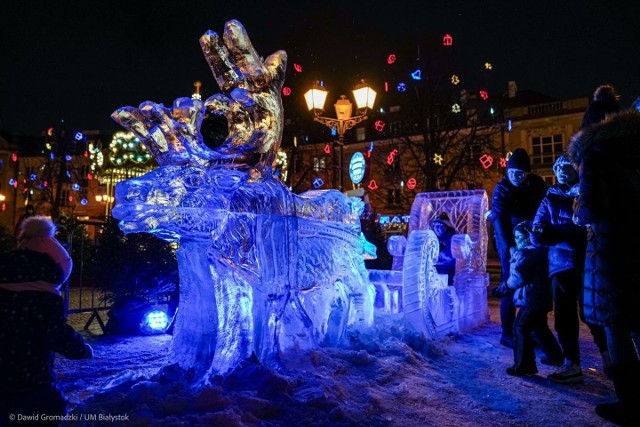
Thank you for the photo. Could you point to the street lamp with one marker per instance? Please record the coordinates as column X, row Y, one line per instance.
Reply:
column 364, row 95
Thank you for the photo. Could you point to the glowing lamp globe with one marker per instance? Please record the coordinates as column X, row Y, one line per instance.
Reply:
column 316, row 97
column 364, row 95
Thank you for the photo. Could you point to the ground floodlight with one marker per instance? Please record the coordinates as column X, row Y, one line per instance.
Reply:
column 154, row 322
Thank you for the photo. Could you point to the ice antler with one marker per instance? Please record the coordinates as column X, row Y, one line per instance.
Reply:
column 250, row 102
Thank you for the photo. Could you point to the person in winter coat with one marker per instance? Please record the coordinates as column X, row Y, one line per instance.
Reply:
column 515, row 199
column 33, row 325
column 532, row 294
column 608, row 157
column 567, row 243
column 605, row 102
column 444, row 230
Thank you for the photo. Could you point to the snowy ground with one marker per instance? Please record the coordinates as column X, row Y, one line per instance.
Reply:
column 387, row 378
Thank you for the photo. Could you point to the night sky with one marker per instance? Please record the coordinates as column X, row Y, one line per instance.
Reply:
column 80, row 60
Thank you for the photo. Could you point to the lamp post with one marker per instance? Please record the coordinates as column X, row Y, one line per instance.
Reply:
column 365, row 97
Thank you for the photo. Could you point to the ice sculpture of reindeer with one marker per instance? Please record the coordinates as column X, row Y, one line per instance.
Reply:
column 261, row 269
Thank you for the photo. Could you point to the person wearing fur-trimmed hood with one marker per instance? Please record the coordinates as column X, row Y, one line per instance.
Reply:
column 608, row 158
column 33, row 323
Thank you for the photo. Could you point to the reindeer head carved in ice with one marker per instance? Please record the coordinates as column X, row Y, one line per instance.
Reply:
column 192, row 175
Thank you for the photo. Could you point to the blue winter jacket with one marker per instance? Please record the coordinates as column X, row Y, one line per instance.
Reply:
column 566, row 241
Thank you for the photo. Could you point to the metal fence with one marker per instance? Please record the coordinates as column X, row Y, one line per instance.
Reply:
column 82, row 293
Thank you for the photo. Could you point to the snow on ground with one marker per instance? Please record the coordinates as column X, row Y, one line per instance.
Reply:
column 389, row 377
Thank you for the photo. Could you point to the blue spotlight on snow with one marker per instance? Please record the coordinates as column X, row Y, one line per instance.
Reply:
column 156, row 320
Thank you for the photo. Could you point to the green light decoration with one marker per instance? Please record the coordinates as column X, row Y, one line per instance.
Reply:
column 125, row 147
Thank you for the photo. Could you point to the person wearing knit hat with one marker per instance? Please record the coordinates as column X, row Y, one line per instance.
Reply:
column 605, row 102
column 515, row 199
column 444, row 230
column 567, row 243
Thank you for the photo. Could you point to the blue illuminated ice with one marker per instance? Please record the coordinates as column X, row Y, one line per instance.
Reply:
column 261, row 269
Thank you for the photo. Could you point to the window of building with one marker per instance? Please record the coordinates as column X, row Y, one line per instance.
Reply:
column 394, row 197
column 546, row 149
column 549, row 180
column 319, row 164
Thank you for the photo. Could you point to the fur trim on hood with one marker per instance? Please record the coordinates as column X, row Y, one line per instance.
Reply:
column 625, row 123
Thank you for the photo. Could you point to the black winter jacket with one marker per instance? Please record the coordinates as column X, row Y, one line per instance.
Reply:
column 32, row 327
column 511, row 205
column 608, row 156
column 528, row 279
column 566, row 241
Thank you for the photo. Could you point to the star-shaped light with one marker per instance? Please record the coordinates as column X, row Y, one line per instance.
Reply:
column 455, row 79
column 488, row 66
column 455, row 108
column 437, row 159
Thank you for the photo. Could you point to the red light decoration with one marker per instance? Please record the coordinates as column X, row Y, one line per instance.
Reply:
column 391, row 58
column 386, row 86
column 14, row 157
column 503, row 162
column 45, row 183
column 373, row 185
column 379, row 125
column 411, row 183
column 327, row 149
column 391, row 157
column 70, row 198
column 50, row 131
column 15, row 184
column 484, row 94
column 297, row 67
column 86, row 153
column 369, row 154
column 286, row 91
column 486, row 161
column 89, row 176
column 447, row 40
column 4, row 207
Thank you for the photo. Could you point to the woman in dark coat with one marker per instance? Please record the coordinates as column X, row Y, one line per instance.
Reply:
column 608, row 157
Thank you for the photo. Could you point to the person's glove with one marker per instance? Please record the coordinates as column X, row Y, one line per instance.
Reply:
column 501, row 291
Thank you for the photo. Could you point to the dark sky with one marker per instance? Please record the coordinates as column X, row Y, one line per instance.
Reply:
column 80, row 60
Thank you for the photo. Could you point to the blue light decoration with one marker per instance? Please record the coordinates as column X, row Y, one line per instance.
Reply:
column 155, row 321
column 371, row 146
column 12, row 182
column 333, row 132
column 509, row 125
column 69, row 174
column 75, row 186
column 357, row 167
column 33, row 177
column 402, row 87
column 52, row 156
column 84, row 202
column 417, row 75
column 68, row 158
column 318, row 182
column 79, row 136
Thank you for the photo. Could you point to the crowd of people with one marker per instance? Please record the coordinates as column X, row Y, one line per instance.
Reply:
column 569, row 248
column 572, row 248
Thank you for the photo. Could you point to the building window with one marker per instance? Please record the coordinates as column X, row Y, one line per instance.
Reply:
column 546, row 149
column 319, row 164
column 549, row 180
column 394, row 197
